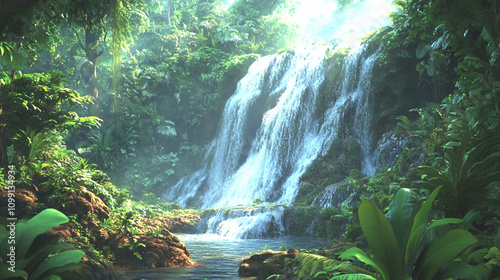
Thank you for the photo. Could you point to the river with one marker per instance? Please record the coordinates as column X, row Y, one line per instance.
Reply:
column 219, row 257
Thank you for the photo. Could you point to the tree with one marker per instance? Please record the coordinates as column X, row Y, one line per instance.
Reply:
column 28, row 25
column 91, row 17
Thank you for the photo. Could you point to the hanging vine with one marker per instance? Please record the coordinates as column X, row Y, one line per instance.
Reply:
column 120, row 25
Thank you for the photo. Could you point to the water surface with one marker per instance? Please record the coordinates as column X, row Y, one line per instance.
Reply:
column 219, row 257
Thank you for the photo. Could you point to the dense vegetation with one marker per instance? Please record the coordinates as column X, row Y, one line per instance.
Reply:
column 134, row 90
column 449, row 153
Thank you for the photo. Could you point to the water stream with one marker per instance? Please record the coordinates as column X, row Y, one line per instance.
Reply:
column 219, row 257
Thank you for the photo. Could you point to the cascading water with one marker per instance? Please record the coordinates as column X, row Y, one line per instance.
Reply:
column 271, row 131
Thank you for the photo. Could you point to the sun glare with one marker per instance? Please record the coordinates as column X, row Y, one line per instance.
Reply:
column 327, row 20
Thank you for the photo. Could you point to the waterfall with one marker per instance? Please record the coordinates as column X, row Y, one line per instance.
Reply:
column 254, row 222
column 271, row 130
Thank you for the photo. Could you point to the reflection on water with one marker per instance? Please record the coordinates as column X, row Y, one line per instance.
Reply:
column 219, row 257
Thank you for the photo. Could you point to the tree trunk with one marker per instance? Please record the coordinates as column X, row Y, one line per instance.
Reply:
column 92, row 55
column 95, row 91
column 4, row 159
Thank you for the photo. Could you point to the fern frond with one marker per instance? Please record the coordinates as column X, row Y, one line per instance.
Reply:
column 30, row 144
column 357, row 276
column 311, row 263
column 39, row 144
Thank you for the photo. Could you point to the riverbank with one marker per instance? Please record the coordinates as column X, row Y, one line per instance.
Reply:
column 132, row 236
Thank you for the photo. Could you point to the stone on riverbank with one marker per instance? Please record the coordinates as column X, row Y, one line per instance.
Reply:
column 266, row 263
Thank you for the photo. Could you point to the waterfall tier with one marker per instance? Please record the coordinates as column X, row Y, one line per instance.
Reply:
column 272, row 129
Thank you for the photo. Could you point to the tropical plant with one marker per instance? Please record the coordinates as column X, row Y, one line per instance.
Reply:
column 29, row 144
column 470, row 177
column 40, row 100
column 404, row 245
column 134, row 247
column 312, row 266
column 36, row 257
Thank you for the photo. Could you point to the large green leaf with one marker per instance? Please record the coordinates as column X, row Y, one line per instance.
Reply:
column 356, row 253
column 4, row 244
column 59, row 260
column 381, row 239
column 53, row 277
column 461, row 270
column 418, row 227
column 26, row 232
column 446, row 221
column 40, row 255
column 443, row 250
column 68, row 272
column 6, row 274
column 357, row 276
column 399, row 214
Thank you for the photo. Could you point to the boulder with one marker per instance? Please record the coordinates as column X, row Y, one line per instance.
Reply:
column 25, row 197
column 266, row 263
column 84, row 202
column 144, row 252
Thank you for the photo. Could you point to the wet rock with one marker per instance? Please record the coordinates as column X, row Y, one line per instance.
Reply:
column 65, row 231
column 144, row 252
column 25, row 197
column 179, row 224
column 183, row 224
column 93, row 270
column 85, row 202
column 266, row 263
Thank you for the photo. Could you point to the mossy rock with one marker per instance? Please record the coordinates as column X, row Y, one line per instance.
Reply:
column 342, row 157
column 298, row 219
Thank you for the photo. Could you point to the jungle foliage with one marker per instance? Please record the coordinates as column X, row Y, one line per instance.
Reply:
column 163, row 81
column 186, row 56
column 444, row 151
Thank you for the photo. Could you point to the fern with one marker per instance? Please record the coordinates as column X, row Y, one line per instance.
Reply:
column 167, row 128
column 358, row 276
column 319, row 267
column 309, row 264
column 30, row 144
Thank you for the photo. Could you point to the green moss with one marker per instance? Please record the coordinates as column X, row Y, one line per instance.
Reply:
column 343, row 156
column 328, row 89
column 331, row 223
column 328, row 222
column 298, row 218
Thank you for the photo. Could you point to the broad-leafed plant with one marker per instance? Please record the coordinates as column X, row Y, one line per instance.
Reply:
column 403, row 243
column 36, row 257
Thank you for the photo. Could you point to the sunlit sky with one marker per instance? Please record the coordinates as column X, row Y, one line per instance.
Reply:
column 319, row 20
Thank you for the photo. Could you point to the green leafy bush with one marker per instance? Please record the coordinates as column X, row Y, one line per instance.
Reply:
column 29, row 144
column 35, row 256
column 403, row 244
column 471, row 176
column 312, row 266
column 38, row 100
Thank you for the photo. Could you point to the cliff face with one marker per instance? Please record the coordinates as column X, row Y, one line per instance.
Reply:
column 395, row 87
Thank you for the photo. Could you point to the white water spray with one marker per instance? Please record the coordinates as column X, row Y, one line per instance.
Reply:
column 270, row 132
